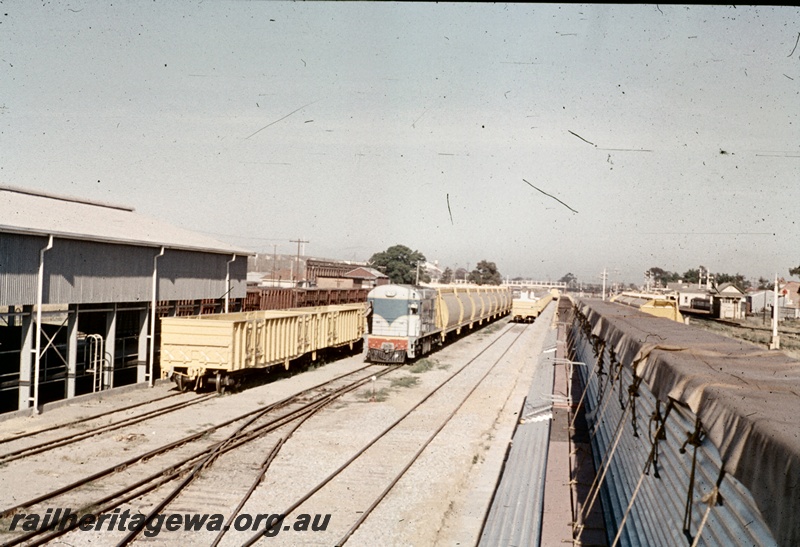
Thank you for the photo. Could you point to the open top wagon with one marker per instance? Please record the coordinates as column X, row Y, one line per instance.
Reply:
column 213, row 349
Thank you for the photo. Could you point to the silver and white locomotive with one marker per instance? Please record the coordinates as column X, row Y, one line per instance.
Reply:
column 407, row 321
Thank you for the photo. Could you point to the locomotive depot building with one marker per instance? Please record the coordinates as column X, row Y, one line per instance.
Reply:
column 81, row 284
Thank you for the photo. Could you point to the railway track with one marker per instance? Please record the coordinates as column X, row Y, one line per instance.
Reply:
column 383, row 435
column 184, row 476
column 51, row 444
column 757, row 334
column 73, row 423
column 217, row 440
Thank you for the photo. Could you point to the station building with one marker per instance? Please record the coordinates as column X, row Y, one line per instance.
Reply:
column 82, row 284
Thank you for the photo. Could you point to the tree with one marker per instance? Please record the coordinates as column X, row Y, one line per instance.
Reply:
column 447, row 276
column 400, row 264
column 795, row 271
column 764, row 283
column 569, row 279
column 662, row 277
column 485, row 273
column 691, row 276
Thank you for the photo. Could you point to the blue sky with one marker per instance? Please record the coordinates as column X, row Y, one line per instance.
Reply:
column 360, row 125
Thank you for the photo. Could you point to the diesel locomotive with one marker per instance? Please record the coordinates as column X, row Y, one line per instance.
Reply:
column 407, row 321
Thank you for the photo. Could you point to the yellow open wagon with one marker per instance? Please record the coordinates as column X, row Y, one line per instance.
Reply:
column 526, row 309
column 212, row 349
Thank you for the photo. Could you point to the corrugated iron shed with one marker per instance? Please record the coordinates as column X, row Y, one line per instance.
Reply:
column 105, row 253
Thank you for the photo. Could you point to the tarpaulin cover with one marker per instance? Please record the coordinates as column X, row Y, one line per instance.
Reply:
column 747, row 398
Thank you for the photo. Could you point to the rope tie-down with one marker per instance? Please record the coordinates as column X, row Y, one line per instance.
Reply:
column 614, row 373
column 605, row 465
column 595, row 370
column 711, row 499
column 633, row 394
column 652, row 458
column 660, row 435
column 694, row 439
column 618, row 376
column 601, row 373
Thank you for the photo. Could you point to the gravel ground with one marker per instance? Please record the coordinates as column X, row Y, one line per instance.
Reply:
column 442, row 499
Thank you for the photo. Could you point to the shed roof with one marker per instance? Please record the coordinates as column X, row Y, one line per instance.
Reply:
column 365, row 273
column 687, row 288
column 32, row 212
column 726, row 288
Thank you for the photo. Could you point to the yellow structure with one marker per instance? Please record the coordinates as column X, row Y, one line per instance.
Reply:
column 527, row 310
column 659, row 305
column 210, row 348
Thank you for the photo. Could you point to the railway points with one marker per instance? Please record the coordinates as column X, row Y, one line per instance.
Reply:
column 316, row 430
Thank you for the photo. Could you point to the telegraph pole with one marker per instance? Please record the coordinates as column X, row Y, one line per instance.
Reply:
column 776, row 340
column 296, row 273
column 604, row 276
column 274, row 261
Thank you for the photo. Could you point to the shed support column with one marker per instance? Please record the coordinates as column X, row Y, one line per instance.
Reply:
column 26, row 358
column 228, row 283
column 111, row 335
column 72, row 349
column 141, row 357
column 153, row 303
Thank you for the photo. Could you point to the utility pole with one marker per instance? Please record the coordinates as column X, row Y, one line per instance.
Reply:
column 604, row 276
column 296, row 273
column 776, row 340
column 274, row 261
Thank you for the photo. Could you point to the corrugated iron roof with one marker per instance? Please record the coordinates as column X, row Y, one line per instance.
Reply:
column 25, row 211
column 515, row 515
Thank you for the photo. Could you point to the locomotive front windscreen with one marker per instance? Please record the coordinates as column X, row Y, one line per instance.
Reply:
column 390, row 317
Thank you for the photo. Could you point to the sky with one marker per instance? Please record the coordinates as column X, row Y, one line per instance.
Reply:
column 546, row 138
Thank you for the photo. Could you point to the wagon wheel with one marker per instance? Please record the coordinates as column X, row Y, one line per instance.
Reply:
column 220, row 387
column 182, row 382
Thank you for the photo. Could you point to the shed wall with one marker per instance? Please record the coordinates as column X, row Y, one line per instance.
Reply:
column 86, row 272
column 185, row 275
column 82, row 272
column 19, row 267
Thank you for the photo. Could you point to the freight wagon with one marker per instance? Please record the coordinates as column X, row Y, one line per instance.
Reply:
column 212, row 350
column 277, row 298
column 407, row 321
column 526, row 309
column 659, row 305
